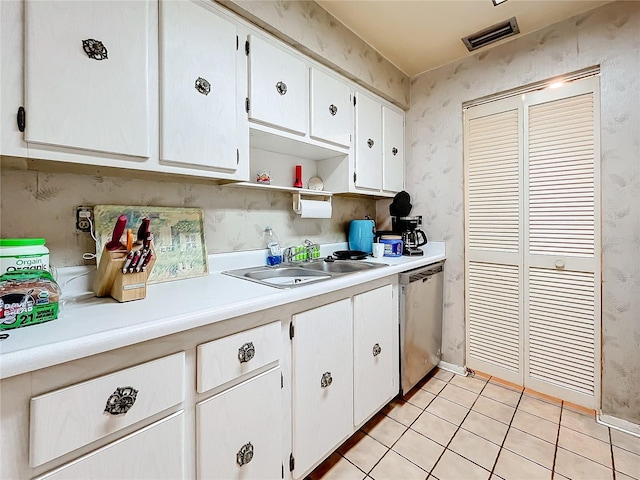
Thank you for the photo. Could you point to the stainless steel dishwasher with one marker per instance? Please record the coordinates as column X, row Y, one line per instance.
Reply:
column 420, row 323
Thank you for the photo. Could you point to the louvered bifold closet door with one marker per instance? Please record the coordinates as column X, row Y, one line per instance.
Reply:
column 493, row 246
column 562, row 284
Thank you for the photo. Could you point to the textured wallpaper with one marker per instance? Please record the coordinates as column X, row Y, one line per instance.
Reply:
column 39, row 204
column 311, row 29
column 607, row 36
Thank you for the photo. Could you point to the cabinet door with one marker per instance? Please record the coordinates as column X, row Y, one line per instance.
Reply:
column 278, row 87
column 322, row 382
column 368, row 143
column 392, row 150
column 375, row 333
column 239, row 431
column 86, row 75
column 198, row 86
column 331, row 109
column 155, row 453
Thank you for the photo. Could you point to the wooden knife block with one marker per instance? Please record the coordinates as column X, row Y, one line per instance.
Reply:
column 124, row 287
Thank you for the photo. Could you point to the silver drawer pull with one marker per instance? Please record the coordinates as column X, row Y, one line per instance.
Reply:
column 246, row 352
column 245, row 454
column 326, row 380
column 121, row 401
column 377, row 350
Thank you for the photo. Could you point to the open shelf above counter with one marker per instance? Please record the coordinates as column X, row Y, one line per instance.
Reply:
column 263, row 186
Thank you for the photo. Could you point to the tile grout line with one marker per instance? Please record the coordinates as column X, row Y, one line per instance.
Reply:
column 458, row 429
column 555, row 450
column 613, row 461
column 515, row 410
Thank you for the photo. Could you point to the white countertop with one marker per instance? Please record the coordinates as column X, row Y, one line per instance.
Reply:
column 90, row 325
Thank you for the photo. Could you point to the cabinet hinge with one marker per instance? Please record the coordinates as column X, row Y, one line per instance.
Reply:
column 237, row 43
column 282, row 469
column 246, row 47
column 237, row 156
column 292, row 463
column 21, row 118
column 291, row 331
column 247, row 104
column 355, row 176
column 281, row 381
column 354, row 100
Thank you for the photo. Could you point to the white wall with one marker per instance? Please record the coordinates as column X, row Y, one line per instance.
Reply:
column 607, row 36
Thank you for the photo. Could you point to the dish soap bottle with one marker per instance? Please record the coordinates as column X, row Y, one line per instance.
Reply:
column 274, row 254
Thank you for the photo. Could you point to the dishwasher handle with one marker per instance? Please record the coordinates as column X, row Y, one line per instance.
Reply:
column 421, row 274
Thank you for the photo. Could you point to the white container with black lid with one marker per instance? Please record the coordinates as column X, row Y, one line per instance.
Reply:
column 23, row 253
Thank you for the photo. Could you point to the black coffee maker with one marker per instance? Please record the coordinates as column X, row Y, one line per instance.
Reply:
column 408, row 227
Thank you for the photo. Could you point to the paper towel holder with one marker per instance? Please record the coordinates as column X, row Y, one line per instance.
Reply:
column 297, row 196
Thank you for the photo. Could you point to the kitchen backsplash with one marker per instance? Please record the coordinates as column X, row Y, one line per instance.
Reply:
column 606, row 36
column 40, row 204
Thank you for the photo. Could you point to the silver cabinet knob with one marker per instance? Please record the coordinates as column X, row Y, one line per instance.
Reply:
column 202, row 86
column 246, row 352
column 121, row 401
column 370, row 143
column 377, row 350
column 333, row 110
column 326, row 380
column 281, row 87
column 245, row 454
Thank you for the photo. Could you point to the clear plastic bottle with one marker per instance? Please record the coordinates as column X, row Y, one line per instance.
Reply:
column 272, row 244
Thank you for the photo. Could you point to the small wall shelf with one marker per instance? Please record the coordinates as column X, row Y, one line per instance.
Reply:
column 262, row 186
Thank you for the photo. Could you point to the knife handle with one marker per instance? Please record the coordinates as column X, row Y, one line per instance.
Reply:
column 136, row 258
column 127, row 262
column 143, row 231
column 143, row 257
column 147, row 260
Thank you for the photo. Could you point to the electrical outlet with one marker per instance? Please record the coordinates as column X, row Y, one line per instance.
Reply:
column 84, row 217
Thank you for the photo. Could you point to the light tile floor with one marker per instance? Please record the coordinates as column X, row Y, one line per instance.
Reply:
column 456, row 428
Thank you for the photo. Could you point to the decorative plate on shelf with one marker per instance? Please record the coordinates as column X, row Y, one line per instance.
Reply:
column 315, row 183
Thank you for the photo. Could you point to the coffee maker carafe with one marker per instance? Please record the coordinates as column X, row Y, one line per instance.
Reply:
column 412, row 236
column 407, row 226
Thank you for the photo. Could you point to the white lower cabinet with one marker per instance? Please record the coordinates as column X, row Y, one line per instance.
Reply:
column 322, row 382
column 154, row 453
column 344, row 359
column 239, row 431
column 375, row 336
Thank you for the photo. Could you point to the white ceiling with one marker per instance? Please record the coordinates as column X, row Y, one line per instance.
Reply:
column 418, row 35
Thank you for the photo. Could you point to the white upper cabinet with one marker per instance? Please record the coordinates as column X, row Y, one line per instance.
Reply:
column 278, row 87
column 368, row 164
column 87, row 75
column 331, row 109
column 392, row 150
column 199, row 87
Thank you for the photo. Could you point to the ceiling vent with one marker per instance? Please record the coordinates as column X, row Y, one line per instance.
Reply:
column 492, row 34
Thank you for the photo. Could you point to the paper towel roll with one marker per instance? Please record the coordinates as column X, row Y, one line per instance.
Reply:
column 314, row 209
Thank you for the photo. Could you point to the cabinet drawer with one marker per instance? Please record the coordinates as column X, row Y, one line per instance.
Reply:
column 230, row 357
column 69, row 418
column 239, row 431
column 154, row 453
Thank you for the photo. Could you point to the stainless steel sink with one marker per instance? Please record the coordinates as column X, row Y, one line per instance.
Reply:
column 340, row 266
column 290, row 275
